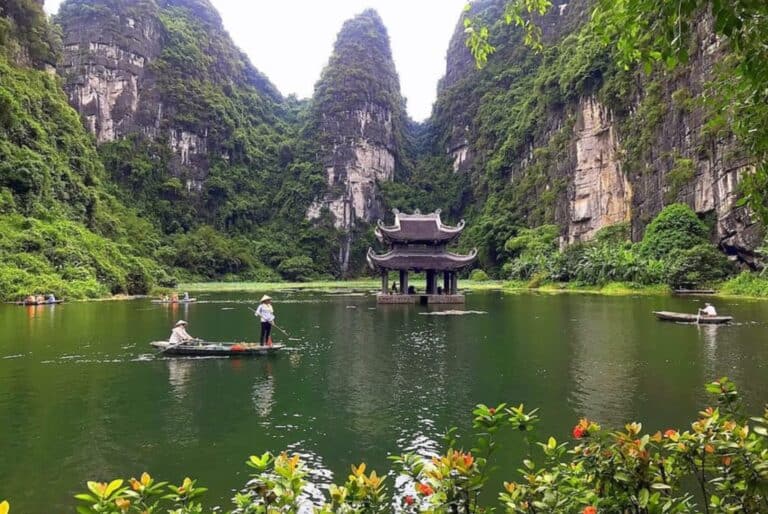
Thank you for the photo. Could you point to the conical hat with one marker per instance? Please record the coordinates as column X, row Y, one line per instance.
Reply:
column 181, row 322
column 265, row 298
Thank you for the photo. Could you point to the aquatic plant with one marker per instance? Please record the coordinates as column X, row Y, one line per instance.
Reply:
column 724, row 452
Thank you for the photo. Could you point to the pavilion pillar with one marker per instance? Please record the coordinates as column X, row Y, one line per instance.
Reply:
column 454, row 283
column 403, row 281
column 446, row 282
column 431, row 282
column 384, row 282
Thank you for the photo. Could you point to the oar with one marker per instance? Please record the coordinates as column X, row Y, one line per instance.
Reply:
column 163, row 350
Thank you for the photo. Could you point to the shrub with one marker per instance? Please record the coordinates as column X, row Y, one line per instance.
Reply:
column 299, row 269
column 675, row 228
column 701, row 265
column 478, row 275
column 746, row 284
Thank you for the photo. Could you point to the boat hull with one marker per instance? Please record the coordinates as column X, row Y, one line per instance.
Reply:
column 40, row 303
column 191, row 300
column 681, row 317
column 216, row 349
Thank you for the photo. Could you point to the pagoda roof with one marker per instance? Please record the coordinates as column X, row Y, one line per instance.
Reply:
column 417, row 227
column 401, row 258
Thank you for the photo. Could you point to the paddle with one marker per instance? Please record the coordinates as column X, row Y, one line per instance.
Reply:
column 163, row 350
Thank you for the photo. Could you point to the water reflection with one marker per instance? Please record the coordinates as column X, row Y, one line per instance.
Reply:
column 604, row 362
column 263, row 392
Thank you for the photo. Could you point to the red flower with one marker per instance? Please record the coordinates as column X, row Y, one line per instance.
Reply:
column 425, row 489
column 670, row 432
column 409, row 499
column 589, row 509
column 492, row 410
column 579, row 432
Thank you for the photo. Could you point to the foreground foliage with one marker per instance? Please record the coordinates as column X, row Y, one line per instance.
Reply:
column 723, row 452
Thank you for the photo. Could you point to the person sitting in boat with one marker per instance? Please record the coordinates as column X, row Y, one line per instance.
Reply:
column 186, row 296
column 40, row 299
column 708, row 310
column 175, row 298
column 267, row 315
column 30, row 300
column 179, row 334
column 51, row 298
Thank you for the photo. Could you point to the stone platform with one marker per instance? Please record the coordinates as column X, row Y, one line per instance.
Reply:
column 420, row 299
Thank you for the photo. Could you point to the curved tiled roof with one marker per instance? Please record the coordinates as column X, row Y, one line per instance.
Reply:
column 416, row 228
column 404, row 258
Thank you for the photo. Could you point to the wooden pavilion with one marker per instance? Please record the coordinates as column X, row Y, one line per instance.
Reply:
column 418, row 243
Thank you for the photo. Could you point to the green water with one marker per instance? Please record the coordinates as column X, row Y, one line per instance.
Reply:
column 82, row 396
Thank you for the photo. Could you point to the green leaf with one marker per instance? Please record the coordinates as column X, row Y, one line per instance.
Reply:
column 642, row 497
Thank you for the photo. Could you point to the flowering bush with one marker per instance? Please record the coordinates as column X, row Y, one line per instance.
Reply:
column 724, row 453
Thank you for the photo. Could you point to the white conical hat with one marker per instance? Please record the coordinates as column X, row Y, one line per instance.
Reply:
column 265, row 298
column 181, row 322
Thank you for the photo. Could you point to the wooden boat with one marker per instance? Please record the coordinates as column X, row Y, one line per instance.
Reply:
column 180, row 300
column 681, row 317
column 694, row 291
column 206, row 349
column 40, row 303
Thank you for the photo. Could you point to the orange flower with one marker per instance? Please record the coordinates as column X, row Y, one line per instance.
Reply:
column 579, row 432
column 709, row 448
column 468, row 459
column 492, row 410
column 726, row 460
column 425, row 489
column 122, row 504
column 589, row 509
column 670, row 432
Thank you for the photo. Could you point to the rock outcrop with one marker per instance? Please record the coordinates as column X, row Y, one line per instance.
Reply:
column 599, row 164
column 124, row 64
column 358, row 119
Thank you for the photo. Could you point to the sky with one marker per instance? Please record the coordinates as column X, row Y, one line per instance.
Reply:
column 291, row 40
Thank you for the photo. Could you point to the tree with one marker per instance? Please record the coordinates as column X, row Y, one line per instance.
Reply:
column 658, row 33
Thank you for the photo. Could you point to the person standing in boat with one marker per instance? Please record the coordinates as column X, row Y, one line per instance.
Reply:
column 708, row 310
column 179, row 334
column 267, row 315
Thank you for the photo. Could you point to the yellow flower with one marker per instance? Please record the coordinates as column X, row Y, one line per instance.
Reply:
column 146, row 479
column 5, row 507
column 122, row 504
column 359, row 470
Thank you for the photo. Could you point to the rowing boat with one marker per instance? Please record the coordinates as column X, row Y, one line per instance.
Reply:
column 681, row 317
column 205, row 349
column 190, row 300
column 55, row 302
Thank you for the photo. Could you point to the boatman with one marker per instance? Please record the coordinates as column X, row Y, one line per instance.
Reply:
column 708, row 310
column 267, row 315
column 179, row 334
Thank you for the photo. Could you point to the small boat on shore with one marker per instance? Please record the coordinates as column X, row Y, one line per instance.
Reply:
column 693, row 291
column 206, row 349
column 188, row 300
column 681, row 317
column 54, row 302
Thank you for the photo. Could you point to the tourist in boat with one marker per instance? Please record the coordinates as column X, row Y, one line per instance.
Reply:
column 708, row 310
column 30, row 300
column 51, row 298
column 186, row 296
column 175, row 298
column 179, row 334
column 40, row 299
column 267, row 315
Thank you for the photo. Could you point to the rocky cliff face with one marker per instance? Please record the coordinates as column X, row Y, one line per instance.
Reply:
column 358, row 119
column 570, row 139
column 124, row 64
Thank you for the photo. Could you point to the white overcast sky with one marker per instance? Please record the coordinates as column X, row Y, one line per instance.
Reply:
column 291, row 40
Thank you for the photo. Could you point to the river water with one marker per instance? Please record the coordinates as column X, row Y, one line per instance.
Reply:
column 83, row 396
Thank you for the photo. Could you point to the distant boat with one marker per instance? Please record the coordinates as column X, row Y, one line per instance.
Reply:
column 24, row 302
column 681, row 317
column 693, row 291
column 205, row 349
column 180, row 300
